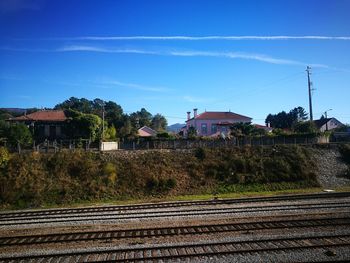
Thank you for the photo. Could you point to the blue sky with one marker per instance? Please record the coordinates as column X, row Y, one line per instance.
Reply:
column 172, row 56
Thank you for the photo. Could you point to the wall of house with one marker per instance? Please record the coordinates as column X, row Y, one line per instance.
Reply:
column 197, row 124
column 332, row 124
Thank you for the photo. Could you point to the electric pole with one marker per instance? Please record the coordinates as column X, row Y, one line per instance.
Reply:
column 308, row 70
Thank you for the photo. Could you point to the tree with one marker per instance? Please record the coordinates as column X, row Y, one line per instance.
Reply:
column 245, row 129
column 19, row 133
column 192, row 132
column 298, row 114
column 81, row 125
column 4, row 127
column 110, row 133
column 159, row 123
column 285, row 120
column 73, row 103
column 305, row 127
column 113, row 114
column 126, row 129
column 141, row 118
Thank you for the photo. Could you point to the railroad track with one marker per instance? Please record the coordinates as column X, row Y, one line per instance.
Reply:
column 80, row 217
column 171, row 231
column 180, row 251
column 67, row 211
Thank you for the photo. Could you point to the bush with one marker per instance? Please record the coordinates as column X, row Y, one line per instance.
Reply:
column 200, row 153
column 4, row 157
column 110, row 172
column 305, row 127
column 19, row 133
column 345, row 152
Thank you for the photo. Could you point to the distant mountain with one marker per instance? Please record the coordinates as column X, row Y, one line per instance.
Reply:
column 14, row 110
column 175, row 127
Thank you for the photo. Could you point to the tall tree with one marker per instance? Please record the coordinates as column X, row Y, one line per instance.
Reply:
column 159, row 123
column 141, row 118
column 285, row 120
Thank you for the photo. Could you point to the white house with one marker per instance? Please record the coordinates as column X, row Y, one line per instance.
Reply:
column 327, row 124
column 213, row 123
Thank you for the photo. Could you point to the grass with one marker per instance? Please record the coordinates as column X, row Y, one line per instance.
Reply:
column 194, row 197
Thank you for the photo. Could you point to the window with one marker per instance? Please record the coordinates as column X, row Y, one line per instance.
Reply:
column 204, row 128
column 214, row 128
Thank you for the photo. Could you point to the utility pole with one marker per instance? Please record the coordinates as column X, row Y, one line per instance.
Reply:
column 103, row 121
column 308, row 70
column 325, row 113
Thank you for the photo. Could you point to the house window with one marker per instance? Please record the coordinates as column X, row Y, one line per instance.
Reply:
column 204, row 128
column 214, row 128
column 224, row 129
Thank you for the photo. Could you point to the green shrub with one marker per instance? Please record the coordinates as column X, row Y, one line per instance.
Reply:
column 344, row 150
column 110, row 172
column 200, row 153
column 4, row 157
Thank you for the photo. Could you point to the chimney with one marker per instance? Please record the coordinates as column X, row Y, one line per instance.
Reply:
column 195, row 113
column 188, row 115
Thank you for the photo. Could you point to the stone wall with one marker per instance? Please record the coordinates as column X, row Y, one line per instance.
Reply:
column 330, row 168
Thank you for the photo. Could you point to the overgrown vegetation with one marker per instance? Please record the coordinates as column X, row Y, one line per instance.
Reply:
column 32, row 180
column 344, row 150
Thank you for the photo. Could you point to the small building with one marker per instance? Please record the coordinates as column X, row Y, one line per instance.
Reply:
column 212, row 123
column 327, row 124
column 45, row 124
column 146, row 132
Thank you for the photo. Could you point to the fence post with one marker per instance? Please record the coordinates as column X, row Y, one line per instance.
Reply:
column 47, row 146
column 33, row 146
column 174, row 145
column 295, row 140
column 133, row 145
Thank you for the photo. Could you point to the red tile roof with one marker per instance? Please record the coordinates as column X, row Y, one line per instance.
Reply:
column 44, row 115
column 146, row 132
column 213, row 115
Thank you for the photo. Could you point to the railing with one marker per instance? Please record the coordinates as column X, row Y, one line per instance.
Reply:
column 149, row 144
column 234, row 142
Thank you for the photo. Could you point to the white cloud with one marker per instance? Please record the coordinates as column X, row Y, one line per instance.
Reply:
column 194, row 99
column 193, row 53
column 133, row 86
column 235, row 55
column 103, row 50
column 198, row 38
column 232, row 55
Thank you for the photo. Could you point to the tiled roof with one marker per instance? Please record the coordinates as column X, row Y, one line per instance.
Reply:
column 213, row 115
column 146, row 132
column 44, row 115
column 263, row 127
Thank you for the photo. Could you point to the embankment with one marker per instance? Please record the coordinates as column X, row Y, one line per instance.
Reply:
column 32, row 180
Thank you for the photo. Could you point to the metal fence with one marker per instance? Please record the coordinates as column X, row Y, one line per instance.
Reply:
column 234, row 142
column 150, row 144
